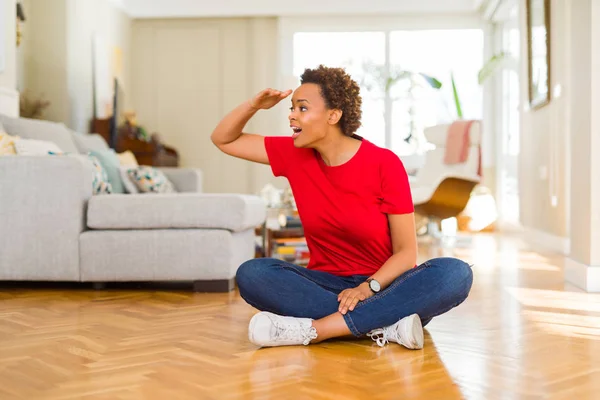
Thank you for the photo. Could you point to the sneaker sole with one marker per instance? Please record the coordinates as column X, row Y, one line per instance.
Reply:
column 416, row 333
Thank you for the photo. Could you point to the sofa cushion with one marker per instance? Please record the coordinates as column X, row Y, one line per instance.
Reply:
column 89, row 142
column 233, row 212
column 27, row 128
column 163, row 255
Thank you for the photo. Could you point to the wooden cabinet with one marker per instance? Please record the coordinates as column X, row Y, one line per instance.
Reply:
column 152, row 152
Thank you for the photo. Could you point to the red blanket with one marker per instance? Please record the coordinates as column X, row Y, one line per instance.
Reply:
column 458, row 141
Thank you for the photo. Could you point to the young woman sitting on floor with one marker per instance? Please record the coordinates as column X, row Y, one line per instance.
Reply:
column 355, row 204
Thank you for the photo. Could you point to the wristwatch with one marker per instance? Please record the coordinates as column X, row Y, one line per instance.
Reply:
column 373, row 285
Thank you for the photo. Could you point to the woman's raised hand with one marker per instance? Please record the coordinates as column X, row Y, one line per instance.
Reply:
column 268, row 98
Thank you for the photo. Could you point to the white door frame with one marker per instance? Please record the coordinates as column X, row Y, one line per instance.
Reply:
column 498, row 19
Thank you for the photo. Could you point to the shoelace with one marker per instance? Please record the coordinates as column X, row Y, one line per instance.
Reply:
column 292, row 332
column 382, row 335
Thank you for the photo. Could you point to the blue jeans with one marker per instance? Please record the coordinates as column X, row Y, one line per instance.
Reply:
column 431, row 289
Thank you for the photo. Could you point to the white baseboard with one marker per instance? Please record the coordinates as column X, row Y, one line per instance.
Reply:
column 586, row 277
column 9, row 102
column 509, row 227
column 547, row 241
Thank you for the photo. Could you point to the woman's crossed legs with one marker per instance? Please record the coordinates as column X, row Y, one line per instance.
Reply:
column 300, row 306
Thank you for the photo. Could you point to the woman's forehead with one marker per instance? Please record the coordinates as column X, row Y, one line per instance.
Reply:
column 307, row 91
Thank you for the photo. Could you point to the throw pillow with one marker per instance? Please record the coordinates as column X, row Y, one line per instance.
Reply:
column 127, row 158
column 100, row 183
column 110, row 162
column 130, row 186
column 7, row 143
column 34, row 147
column 150, row 180
column 37, row 129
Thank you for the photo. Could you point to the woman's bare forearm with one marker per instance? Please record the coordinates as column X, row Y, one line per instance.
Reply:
column 395, row 266
column 231, row 126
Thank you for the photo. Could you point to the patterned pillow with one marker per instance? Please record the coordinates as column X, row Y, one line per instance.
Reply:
column 128, row 184
column 7, row 143
column 100, row 183
column 150, row 180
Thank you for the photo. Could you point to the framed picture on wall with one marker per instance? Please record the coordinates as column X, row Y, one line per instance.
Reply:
column 538, row 47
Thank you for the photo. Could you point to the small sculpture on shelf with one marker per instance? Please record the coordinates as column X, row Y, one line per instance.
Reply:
column 131, row 128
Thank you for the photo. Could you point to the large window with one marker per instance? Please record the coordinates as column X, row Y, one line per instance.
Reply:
column 395, row 111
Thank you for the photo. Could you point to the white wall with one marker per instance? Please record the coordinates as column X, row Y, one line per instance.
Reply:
column 56, row 57
column 86, row 17
column 189, row 73
column 583, row 265
column 8, row 77
column 564, row 137
column 543, row 161
column 43, row 56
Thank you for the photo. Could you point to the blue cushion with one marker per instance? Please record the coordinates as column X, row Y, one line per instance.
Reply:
column 109, row 160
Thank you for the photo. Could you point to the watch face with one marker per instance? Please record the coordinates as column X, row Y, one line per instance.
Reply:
column 375, row 286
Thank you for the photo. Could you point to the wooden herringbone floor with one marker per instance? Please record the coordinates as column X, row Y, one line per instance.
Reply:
column 522, row 334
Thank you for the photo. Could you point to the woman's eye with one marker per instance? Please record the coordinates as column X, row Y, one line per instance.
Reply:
column 302, row 108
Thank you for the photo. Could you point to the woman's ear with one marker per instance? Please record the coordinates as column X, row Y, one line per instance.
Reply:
column 334, row 116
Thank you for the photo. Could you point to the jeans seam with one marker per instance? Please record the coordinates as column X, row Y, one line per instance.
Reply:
column 397, row 282
column 351, row 325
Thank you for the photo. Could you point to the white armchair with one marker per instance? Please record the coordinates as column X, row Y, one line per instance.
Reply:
column 442, row 190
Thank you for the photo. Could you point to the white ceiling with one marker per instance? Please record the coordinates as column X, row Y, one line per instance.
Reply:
column 242, row 8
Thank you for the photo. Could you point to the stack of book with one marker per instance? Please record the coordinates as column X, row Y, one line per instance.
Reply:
column 293, row 250
column 288, row 221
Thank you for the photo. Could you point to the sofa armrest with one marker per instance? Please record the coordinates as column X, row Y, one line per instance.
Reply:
column 233, row 212
column 42, row 208
column 184, row 179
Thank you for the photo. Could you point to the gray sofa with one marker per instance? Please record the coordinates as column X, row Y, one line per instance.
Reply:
column 54, row 229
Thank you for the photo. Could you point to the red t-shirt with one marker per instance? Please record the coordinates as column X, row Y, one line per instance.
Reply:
column 344, row 208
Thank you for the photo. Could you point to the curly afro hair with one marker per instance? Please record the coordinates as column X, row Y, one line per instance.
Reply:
column 340, row 92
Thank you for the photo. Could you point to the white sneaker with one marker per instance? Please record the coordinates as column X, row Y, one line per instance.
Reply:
column 267, row 329
column 408, row 332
